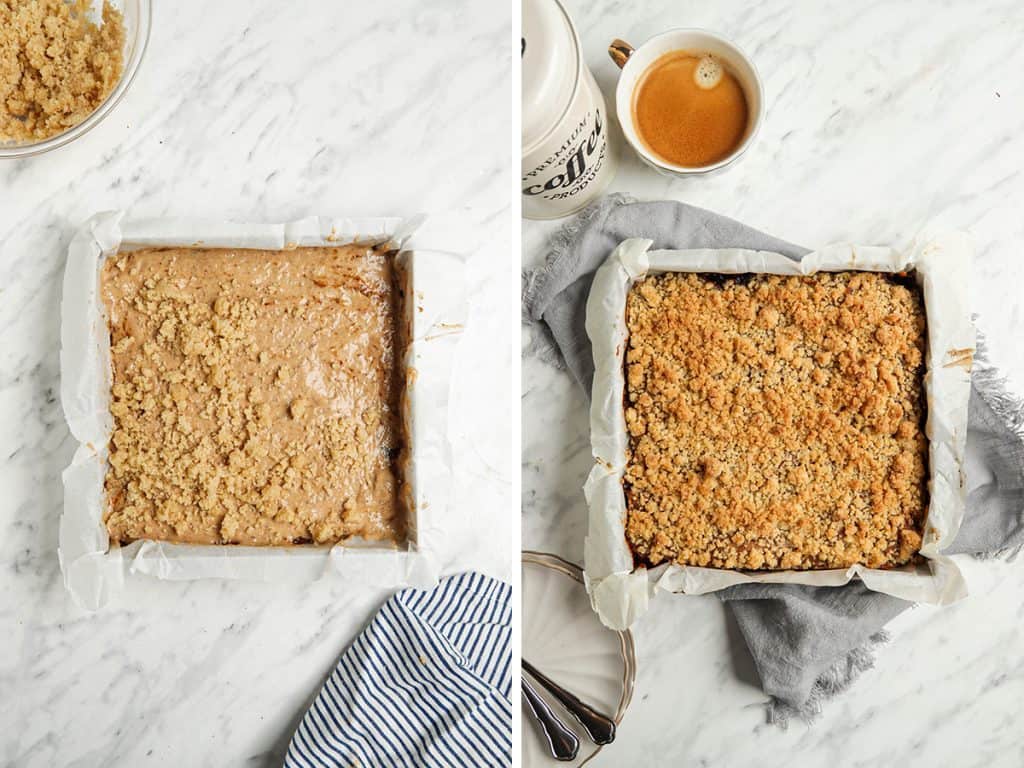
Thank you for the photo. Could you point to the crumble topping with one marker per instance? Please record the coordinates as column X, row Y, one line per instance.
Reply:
column 255, row 396
column 775, row 422
column 56, row 66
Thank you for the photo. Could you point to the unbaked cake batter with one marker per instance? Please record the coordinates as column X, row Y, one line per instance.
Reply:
column 255, row 396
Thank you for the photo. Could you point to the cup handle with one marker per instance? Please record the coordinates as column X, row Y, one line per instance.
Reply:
column 620, row 51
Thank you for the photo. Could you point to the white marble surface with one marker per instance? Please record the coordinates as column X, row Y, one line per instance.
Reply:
column 881, row 118
column 264, row 111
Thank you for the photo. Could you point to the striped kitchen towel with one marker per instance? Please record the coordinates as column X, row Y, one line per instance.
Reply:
column 426, row 684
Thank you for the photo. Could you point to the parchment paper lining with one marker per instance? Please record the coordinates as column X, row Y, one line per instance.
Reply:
column 940, row 264
column 94, row 571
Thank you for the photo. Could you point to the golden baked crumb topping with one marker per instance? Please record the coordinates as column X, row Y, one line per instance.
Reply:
column 775, row 422
column 56, row 66
column 255, row 396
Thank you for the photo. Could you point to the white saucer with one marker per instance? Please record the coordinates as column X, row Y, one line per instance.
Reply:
column 564, row 639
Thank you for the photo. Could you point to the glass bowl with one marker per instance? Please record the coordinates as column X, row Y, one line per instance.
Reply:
column 563, row 638
column 137, row 17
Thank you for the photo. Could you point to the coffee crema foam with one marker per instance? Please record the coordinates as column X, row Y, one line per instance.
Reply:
column 689, row 109
column 708, row 73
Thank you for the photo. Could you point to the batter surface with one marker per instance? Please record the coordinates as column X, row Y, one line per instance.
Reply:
column 255, row 396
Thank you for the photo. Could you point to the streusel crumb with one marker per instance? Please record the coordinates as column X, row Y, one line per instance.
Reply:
column 56, row 66
column 775, row 422
column 255, row 396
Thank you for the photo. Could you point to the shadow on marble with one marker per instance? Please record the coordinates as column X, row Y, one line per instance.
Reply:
column 274, row 757
column 742, row 662
column 45, row 441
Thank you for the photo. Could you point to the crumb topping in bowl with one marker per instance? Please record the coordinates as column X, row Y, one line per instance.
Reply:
column 56, row 65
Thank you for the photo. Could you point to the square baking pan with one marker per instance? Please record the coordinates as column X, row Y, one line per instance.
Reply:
column 94, row 568
column 620, row 589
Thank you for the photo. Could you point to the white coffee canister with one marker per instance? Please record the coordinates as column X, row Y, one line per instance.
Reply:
column 567, row 158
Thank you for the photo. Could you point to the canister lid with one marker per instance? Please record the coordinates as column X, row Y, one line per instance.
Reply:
column 551, row 64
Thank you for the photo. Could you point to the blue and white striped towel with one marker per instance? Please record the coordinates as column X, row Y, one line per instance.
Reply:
column 426, row 684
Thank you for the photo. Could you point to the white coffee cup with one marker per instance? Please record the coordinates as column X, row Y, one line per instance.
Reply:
column 634, row 63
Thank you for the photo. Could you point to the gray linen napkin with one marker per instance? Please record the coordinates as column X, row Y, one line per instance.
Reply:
column 808, row 643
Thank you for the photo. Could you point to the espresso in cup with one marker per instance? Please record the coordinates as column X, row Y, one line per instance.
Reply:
column 688, row 109
column 689, row 101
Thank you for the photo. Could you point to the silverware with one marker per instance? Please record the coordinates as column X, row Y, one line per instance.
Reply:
column 562, row 742
column 600, row 728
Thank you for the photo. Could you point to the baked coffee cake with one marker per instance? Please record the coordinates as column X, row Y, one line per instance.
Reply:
column 255, row 395
column 775, row 422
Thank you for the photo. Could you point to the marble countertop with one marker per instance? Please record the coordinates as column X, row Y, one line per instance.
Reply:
column 261, row 111
column 882, row 118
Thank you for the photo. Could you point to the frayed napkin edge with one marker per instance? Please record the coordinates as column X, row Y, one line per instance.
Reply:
column 994, row 388
column 835, row 681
